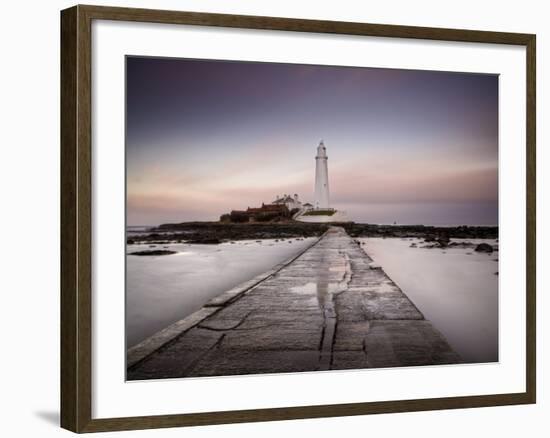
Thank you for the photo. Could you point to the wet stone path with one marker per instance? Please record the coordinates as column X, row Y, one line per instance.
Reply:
column 330, row 308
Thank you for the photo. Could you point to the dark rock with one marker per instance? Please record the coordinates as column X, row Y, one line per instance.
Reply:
column 429, row 233
column 433, row 245
column 154, row 252
column 206, row 241
column 443, row 240
column 484, row 247
column 195, row 232
column 461, row 244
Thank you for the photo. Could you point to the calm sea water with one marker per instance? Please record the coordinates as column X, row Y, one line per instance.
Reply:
column 161, row 290
column 455, row 288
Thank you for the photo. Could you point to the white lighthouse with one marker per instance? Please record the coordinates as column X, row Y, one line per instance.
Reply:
column 320, row 211
column 321, row 178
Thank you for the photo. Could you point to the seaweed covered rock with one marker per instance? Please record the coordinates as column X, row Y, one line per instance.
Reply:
column 153, row 252
column 484, row 247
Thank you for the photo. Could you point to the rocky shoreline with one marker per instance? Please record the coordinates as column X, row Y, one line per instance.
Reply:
column 218, row 232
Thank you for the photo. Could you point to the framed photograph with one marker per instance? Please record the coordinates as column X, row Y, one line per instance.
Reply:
column 269, row 218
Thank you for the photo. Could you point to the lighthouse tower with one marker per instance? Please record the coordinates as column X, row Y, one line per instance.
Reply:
column 320, row 211
column 321, row 178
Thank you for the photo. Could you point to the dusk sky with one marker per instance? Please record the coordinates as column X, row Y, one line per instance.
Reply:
column 206, row 137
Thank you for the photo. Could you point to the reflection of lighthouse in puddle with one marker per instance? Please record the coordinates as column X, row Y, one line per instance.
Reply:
column 322, row 292
column 330, row 280
column 325, row 297
column 325, row 289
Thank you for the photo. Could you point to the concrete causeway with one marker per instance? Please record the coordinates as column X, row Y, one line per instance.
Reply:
column 329, row 308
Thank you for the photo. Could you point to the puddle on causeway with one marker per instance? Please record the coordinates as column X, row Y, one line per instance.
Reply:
column 321, row 290
column 328, row 281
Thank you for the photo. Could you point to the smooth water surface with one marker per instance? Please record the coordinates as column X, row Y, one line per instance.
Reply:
column 161, row 290
column 455, row 288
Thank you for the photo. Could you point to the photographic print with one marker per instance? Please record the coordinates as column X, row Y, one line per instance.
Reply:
column 306, row 218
